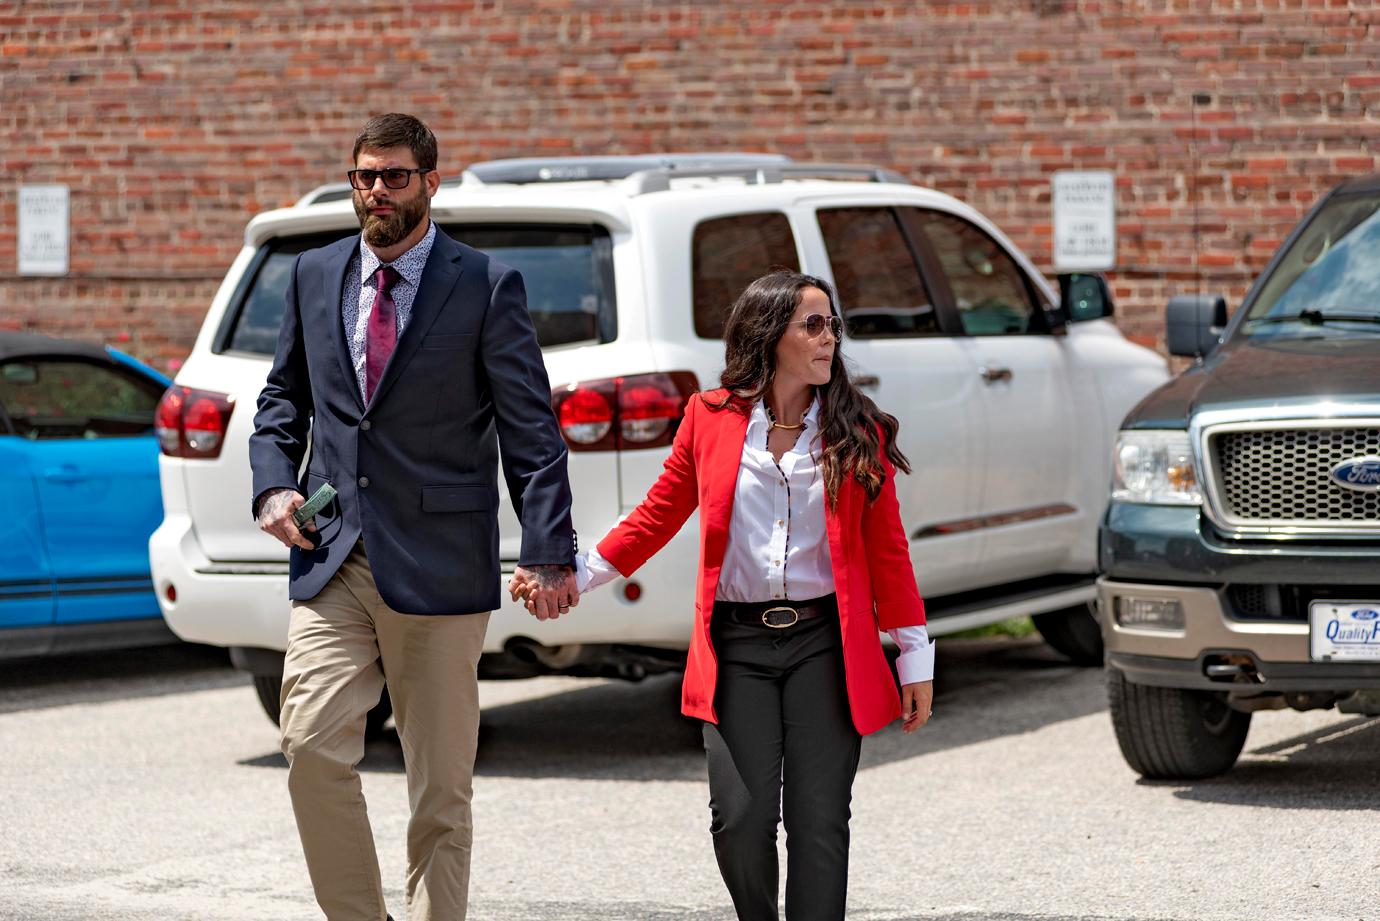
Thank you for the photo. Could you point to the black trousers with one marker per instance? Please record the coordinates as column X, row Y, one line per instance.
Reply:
column 784, row 746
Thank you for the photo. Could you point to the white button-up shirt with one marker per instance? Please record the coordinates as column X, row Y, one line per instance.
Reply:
column 778, row 545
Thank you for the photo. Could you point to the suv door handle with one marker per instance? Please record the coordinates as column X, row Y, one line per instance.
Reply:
column 993, row 375
column 867, row 380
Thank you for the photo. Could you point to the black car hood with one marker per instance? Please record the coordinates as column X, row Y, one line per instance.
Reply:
column 1262, row 372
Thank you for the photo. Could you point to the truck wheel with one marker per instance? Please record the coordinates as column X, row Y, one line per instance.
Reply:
column 1074, row 632
column 270, row 690
column 1172, row 733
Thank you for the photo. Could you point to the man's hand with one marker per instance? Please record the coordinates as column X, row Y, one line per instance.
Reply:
column 275, row 517
column 548, row 590
column 917, row 701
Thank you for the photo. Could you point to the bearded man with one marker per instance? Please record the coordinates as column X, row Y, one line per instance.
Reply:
column 408, row 362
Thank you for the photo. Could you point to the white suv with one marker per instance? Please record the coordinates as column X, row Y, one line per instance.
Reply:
column 1009, row 397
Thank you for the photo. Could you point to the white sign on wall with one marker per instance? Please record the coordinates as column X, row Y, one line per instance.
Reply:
column 1084, row 220
column 43, row 230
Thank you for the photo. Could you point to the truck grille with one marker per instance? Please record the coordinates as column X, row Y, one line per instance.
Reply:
column 1282, row 477
column 1289, row 603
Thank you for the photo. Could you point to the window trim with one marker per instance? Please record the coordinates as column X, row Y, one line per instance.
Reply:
column 920, row 256
column 1040, row 321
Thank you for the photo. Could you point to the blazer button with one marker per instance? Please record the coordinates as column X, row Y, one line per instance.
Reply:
column 366, row 425
column 364, row 482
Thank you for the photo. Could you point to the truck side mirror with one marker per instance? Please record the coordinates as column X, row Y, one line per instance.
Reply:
column 1084, row 297
column 1194, row 323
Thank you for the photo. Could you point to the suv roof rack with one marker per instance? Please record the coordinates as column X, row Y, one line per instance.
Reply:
column 525, row 170
column 659, row 180
column 644, row 173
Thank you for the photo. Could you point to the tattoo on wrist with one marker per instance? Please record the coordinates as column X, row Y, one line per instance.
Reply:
column 274, row 501
column 550, row 576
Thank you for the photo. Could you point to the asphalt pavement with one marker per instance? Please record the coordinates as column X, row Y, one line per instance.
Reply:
column 149, row 785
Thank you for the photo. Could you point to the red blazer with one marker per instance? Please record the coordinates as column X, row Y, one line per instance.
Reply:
column 867, row 546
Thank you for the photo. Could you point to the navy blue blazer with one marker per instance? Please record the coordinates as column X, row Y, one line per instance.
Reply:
column 416, row 469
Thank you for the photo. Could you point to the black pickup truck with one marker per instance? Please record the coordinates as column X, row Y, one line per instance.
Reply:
column 1241, row 549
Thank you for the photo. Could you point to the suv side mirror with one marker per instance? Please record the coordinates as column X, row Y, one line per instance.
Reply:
column 1084, row 297
column 1194, row 323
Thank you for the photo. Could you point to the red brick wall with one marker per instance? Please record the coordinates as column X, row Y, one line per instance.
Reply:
column 173, row 122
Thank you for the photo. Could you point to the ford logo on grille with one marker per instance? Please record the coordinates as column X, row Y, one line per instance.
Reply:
column 1365, row 614
column 1361, row 473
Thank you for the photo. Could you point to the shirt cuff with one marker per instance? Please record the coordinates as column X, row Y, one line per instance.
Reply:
column 916, row 661
column 592, row 570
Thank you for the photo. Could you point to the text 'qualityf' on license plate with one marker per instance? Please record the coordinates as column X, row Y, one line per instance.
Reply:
column 1344, row 630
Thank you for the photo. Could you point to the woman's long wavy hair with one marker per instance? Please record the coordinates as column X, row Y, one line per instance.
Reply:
column 849, row 420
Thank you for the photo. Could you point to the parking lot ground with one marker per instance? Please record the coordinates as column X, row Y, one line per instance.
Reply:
column 149, row 785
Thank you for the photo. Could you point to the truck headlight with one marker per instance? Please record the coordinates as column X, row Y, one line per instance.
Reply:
column 1155, row 467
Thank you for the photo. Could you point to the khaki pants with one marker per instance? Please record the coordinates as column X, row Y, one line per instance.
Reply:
column 343, row 646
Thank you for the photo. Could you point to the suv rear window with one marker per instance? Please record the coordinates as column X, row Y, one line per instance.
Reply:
column 567, row 269
column 727, row 254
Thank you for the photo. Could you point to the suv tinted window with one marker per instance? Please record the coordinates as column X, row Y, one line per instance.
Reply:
column 727, row 254
column 880, row 289
column 72, row 398
column 568, row 272
column 261, row 304
column 989, row 288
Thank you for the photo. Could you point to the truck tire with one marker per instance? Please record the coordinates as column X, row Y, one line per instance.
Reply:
column 270, row 690
column 1074, row 632
column 1172, row 733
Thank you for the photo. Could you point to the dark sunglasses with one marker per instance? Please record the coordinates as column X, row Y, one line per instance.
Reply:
column 815, row 322
column 395, row 178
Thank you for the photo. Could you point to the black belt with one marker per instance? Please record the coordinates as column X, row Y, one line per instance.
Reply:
column 777, row 615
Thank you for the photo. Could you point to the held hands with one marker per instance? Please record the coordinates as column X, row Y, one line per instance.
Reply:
column 548, row 590
column 275, row 517
column 917, row 702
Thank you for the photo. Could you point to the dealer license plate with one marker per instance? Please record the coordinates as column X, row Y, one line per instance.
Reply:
column 1344, row 630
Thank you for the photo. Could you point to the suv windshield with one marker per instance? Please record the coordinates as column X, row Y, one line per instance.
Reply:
column 567, row 270
column 1328, row 282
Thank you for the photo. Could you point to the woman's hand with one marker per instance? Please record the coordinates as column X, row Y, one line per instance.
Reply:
column 917, row 702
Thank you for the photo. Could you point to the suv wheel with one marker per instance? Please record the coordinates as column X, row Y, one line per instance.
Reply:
column 1074, row 632
column 270, row 691
column 1172, row 733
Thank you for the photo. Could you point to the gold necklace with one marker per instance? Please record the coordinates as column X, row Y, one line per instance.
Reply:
column 773, row 424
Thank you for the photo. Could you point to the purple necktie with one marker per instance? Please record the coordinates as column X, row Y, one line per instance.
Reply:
column 383, row 330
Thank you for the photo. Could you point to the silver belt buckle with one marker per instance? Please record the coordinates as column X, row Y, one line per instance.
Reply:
column 795, row 618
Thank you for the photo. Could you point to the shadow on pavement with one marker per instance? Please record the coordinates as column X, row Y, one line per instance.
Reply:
column 1335, row 767
column 121, row 674
column 619, row 731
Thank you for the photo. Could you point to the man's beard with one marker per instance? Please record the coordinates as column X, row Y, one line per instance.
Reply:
column 389, row 230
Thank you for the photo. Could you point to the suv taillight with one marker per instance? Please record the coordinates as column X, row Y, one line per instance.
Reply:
column 623, row 413
column 192, row 423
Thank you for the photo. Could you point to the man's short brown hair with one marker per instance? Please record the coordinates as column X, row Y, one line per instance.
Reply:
column 396, row 129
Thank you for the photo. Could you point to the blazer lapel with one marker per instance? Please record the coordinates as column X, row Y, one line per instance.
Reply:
column 838, row 550
column 336, row 268
column 443, row 269
column 724, row 458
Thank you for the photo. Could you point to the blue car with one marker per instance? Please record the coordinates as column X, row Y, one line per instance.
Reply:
column 79, row 497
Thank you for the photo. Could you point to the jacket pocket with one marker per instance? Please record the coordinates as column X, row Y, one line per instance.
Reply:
column 457, row 499
column 449, row 341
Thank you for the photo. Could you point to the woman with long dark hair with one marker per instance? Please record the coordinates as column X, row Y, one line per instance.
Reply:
column 803, row 560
